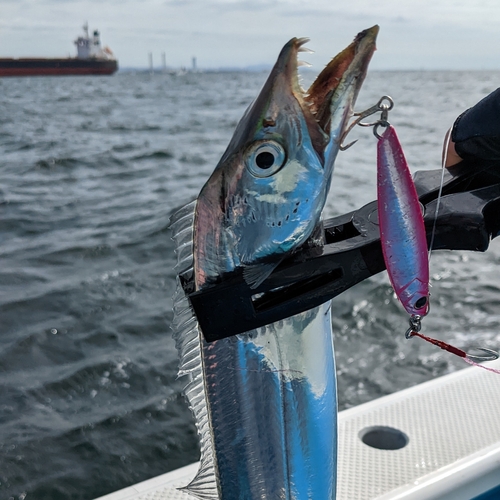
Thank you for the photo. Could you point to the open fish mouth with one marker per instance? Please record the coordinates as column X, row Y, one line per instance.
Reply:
column 265, row 196
column 336, row 87
column 265, row 401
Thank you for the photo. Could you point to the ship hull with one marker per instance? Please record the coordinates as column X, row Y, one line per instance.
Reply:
column 57, row 67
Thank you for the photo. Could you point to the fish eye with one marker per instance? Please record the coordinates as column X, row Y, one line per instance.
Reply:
column 421, row 302
column 265, row 158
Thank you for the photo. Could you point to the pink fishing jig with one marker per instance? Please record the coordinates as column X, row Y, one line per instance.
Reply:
column 402, row 231
column 404, row 240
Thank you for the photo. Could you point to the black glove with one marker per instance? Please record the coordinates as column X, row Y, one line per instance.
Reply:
column 476, row 132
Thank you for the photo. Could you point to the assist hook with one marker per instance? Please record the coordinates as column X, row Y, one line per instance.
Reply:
column 487, row 354
column 381, row 106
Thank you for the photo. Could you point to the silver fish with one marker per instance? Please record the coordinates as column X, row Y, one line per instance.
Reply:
column 265, row 401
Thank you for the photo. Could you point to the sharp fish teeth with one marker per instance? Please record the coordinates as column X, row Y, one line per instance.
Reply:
column 306, row 49
column 303, row 63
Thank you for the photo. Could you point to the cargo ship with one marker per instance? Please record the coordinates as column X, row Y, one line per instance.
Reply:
column 91, row 59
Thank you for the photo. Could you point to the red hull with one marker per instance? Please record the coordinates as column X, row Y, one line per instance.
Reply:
column 56, row 67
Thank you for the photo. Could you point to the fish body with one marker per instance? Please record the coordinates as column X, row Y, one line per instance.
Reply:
column 402, row 230
column 265, row 400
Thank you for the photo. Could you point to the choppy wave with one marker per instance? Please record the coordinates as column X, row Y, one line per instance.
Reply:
column 91, row 170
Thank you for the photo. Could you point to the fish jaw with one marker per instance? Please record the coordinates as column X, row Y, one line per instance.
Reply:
column 265, row 197
column 334, row 92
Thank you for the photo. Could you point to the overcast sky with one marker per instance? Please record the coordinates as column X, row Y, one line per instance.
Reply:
column 415, row 34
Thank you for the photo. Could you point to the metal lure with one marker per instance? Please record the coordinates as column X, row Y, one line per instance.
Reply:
column 404, row 242
column 402, row 231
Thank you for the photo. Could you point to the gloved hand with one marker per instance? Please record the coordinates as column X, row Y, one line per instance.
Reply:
column 475, row 135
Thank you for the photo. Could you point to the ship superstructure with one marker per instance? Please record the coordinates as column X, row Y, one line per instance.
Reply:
column 91, row 59
column 88, row 48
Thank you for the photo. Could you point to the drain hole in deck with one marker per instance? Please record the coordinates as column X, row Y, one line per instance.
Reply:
column 383, row 438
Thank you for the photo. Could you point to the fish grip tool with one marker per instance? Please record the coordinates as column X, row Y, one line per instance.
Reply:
column 468, row 218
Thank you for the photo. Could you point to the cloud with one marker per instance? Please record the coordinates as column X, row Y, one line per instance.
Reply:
column 243, row 32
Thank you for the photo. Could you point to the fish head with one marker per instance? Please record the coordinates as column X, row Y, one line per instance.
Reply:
column 265, row 196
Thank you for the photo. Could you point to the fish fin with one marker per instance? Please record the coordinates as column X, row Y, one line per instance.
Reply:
column 254, row 275
column 181, row 226
column 202, row 486
column 187, row 336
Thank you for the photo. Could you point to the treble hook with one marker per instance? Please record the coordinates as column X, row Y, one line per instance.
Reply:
column 382, row 122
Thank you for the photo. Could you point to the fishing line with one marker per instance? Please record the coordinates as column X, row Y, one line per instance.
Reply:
column 474, row 363
column 440, row 192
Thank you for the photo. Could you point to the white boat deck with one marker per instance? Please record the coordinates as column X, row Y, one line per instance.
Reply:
column 453, row 450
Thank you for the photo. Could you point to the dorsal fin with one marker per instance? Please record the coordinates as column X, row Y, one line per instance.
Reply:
column 187, row 336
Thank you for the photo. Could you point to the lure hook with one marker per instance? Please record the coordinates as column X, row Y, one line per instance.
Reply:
column 489, row 355
column 381, row 106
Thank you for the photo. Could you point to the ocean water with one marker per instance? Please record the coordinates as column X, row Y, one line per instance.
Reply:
column 90, row 170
